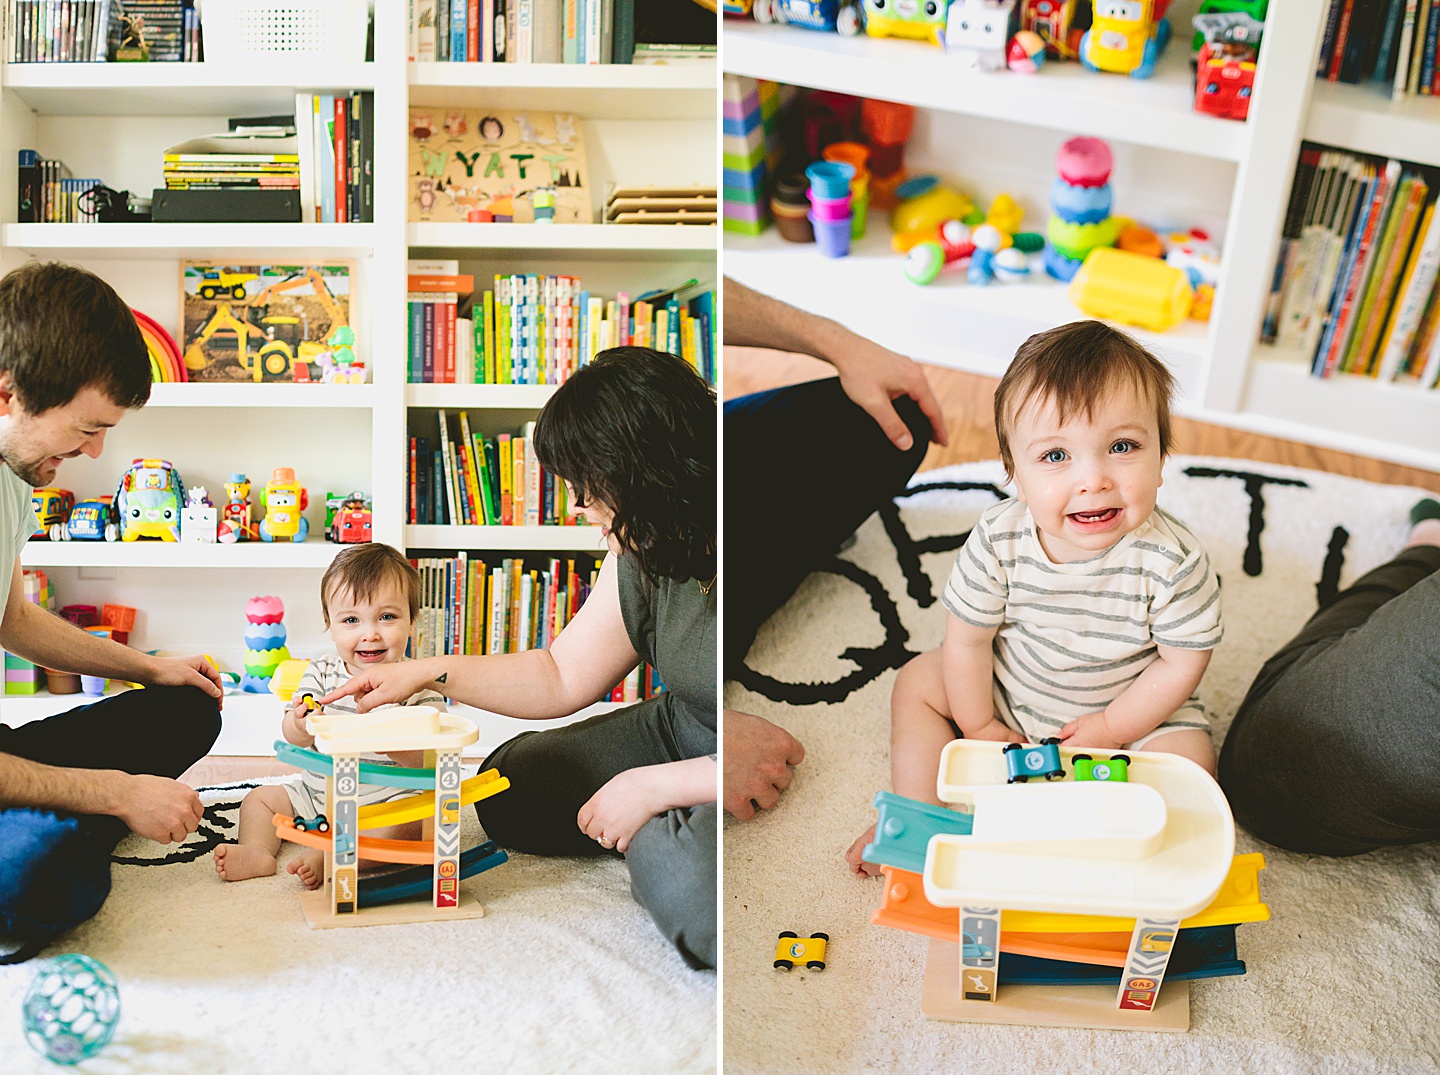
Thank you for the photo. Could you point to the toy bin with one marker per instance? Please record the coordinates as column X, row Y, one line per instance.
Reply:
column 241, row 30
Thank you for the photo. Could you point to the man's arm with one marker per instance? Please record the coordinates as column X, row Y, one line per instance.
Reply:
column 29, row 631
column 156, row 807
column 871, row 375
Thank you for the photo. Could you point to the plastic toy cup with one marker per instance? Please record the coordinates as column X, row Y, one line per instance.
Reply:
column 862, row 207
column 792, row 221
column 830, row 179
column 832, row 235
column 831, row 208
column 856, row 154
column 793, row 190
column 93, row 685
column 882, row 189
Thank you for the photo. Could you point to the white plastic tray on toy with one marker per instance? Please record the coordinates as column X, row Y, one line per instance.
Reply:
column 1161, row 846
column 411, row 727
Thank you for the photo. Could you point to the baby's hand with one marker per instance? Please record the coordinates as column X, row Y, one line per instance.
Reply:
column 1090, row 731
column 996, row 732
column 859, row 866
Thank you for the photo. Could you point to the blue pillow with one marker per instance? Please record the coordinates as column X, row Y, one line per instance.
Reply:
column 53, row 875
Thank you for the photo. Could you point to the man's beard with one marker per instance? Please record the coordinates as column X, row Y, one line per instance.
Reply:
column 31, row 473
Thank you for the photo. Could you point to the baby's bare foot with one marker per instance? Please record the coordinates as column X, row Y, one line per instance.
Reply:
column 309, row 867
column 238, row 862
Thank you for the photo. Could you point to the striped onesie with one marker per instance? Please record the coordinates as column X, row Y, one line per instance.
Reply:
column 1073, row 636
column 307, row 791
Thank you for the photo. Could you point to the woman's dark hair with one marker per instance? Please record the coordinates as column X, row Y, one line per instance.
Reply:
column 63, row 329
column 636, row 430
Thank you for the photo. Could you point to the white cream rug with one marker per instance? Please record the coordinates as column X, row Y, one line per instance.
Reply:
column 1345, row 978
column 564, row 973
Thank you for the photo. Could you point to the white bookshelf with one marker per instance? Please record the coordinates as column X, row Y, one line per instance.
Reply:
column 998, row 132
column 642, row 124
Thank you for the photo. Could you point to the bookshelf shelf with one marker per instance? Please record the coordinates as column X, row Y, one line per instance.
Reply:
column 1365, row 118
column 528, row 397
column 263, row 396
column 506, row 538
column 314, row 553
column 574, row 241
column 1152, row 112
column 948, row 323
column 176, row 89
column 169, row 241
column 592, row 91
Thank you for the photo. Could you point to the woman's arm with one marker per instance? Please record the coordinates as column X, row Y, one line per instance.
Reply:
column 585, row 661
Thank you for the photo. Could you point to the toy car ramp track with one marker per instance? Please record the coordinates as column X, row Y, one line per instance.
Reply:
column 416, row 807
column 419, row 851
column 417, row 881
column 389, row 776
column 1159, row 845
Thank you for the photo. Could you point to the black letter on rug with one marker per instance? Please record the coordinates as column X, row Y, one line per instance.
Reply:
column 1254, row 484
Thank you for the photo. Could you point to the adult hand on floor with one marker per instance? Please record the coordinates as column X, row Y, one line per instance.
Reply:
column 157, row 807
column 759, row 760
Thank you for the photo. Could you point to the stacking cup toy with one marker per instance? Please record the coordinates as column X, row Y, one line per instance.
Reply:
column 830, row 180
column 830, row 208
column 832, row 235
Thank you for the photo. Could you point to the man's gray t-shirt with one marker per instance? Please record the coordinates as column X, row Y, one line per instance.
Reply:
column 17, row 521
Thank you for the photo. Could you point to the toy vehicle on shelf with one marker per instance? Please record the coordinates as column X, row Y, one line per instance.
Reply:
column 1022, row 760
column 1126, row 37
column 90, row 520
column 352, row 524
column 51, row 506
column 215, row 283
column 793, row 949
column 284, row 500
column 148, row 501
column 1225, row 67
column 318, row 823
column 835, row 16
column 1114, row 769
column 915, row 20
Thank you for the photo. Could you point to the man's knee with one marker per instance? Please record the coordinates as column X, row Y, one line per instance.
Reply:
column 672, row 874
column 194, row 718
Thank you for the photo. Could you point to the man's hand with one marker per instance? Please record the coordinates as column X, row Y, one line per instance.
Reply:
column 758, row 761
column 874, row 377
column 193, row 671
column 1090, row 731
column 157, row 807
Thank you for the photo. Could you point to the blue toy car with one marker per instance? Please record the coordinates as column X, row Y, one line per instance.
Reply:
column 318, row 823
column 1024, row 761
column 1115, row 769
column 90, row 520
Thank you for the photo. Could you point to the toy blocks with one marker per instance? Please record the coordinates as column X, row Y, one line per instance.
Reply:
column 750, row 149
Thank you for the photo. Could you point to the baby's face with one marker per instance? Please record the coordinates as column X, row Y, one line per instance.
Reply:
column 1088, row 481
column 369, row 632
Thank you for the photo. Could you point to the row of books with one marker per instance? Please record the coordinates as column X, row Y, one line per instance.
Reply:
column 539, row 329
column 476, row 605
column 523, row 31
column 482, row 481
column 469, row 604
column 93, row 31
column 1355, row 280
column 335, row 136
column 46, row 193
column 1389, row 41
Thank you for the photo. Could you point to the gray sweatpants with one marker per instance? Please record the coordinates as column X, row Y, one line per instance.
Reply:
column 1334, row 749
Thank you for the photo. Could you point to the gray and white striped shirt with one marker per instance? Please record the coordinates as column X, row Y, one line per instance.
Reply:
column 1073, row 636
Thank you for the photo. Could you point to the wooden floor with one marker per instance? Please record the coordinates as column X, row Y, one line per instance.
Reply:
column 967, row 401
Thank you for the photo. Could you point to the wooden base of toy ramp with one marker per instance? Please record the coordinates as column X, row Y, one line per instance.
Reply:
column 316, row 906
column 1091, row 1006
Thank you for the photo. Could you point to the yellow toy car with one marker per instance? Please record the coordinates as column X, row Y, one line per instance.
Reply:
column 915, row 20
column 51, row 507
column 793, row 949
column 284, row 501
column 1124, row 37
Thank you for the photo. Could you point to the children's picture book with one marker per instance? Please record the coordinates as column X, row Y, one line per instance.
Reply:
column 503, row 166
column 289, row 323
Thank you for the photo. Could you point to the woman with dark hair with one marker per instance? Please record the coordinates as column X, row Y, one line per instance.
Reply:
column 633, row 437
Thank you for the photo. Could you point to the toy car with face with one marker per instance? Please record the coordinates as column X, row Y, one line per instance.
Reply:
column 1024, row 761
column 1114, row 769
column 151, row 513
column 1124, row 37
column 792, row 949
column 917, row 20
column 284, row 500
column 838, row 16
column 51, row 506
column 90, row 520
column 318, row 823
column 353, row 524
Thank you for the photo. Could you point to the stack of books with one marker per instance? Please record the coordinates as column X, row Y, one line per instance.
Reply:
column 1355, row 282
column 245, row 157
column 48, row 195
column 523, row 31
column 1393, row 42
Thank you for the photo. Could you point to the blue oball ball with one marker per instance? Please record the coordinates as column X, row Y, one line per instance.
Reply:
column 71, row 1008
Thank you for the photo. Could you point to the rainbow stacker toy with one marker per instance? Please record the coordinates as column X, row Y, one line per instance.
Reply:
column 1065, row 892
column 438, row 863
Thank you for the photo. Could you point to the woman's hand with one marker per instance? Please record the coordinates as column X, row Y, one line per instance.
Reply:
column 384, row 684
column 615, row 813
